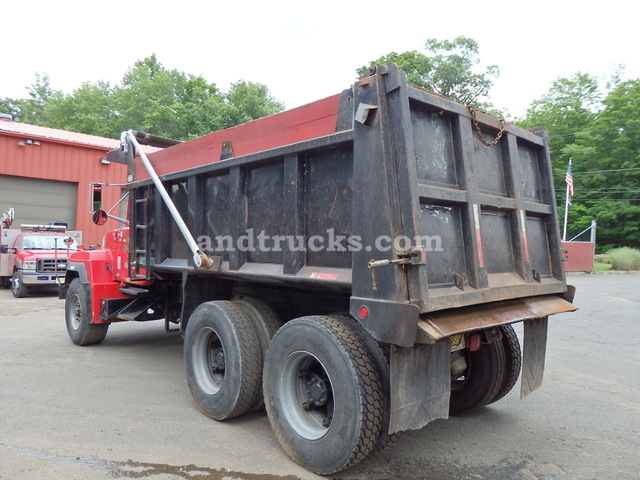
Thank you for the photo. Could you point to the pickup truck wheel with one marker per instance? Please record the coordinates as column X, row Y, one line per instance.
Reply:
column 481, row 380
column 18, row 288
column 78, row 316
column 323, row 394
column 266, row 322
column 513, row 361
column 223, row 360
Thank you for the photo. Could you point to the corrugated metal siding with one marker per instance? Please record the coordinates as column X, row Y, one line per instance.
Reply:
column 56, row 160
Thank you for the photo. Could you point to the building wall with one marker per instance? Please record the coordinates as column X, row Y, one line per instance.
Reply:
column 63, row 161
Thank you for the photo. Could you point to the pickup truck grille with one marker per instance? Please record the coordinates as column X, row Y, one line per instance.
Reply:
column 48, row 265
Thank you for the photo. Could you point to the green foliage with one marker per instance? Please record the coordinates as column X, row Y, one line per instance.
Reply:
column 598, row 130
column 570, row 106
column 247, row 101
column 448, row 69
column 149, row 98
column 624, row 258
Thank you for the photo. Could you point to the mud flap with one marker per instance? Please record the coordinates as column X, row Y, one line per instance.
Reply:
column 535, row 346
column 420, row 385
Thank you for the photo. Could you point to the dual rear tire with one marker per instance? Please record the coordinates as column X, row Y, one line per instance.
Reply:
column 323, row 394
column 322, row 387
column 491, row 373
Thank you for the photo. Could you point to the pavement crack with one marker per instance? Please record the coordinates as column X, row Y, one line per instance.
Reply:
column 133, row 469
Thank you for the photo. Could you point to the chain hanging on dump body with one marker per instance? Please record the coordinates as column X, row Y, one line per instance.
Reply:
column 479, row 132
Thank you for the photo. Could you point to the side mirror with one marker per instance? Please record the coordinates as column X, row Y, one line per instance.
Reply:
column 99, row 217
column 7, row 249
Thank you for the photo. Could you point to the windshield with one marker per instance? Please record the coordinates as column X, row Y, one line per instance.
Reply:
column 47, row 242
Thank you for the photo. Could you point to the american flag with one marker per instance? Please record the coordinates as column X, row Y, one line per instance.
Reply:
column 569, row 179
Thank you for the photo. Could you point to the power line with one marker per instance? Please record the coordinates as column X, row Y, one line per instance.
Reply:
column 604, row 199
column 607, row 192
column 604, row 171
column 622, row 127
column 606, row 188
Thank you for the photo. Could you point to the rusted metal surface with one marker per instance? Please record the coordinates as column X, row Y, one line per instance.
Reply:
column 443, row 324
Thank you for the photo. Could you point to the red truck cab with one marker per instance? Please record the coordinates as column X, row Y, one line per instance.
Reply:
column 35, row 256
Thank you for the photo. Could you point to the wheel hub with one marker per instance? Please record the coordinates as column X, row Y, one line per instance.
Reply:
column 217, row 360
column 317, row 391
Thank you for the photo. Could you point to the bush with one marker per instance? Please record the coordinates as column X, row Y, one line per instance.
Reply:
column 624, row 258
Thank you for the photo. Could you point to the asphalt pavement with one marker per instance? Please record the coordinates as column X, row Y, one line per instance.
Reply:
column 122, row 409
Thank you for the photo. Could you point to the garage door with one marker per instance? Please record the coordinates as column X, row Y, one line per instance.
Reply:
column 39, row 201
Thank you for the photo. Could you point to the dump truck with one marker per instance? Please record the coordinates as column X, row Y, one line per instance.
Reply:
column 355, row 266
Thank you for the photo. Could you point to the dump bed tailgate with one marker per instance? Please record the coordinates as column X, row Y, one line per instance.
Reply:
column 477, row 217
column 487, row 212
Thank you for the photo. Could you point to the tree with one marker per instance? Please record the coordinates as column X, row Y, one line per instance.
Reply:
column 448, row 70
column 150, row 98
column 32, row 109
column 89, row 109
column 568, row 107
column 598, row 130
column 616, row 148
column 248, row 101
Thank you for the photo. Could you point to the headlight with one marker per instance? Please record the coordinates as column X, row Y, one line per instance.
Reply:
column 29, row 265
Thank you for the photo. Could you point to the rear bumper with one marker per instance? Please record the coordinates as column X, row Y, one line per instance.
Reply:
column 438, row 325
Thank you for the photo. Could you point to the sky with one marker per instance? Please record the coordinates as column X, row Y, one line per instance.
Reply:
column 304, row 51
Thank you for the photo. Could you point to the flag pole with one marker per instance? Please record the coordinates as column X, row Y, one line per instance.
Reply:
column 566, row 214
column 568, row 177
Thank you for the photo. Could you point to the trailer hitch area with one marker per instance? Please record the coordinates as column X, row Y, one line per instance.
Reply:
column 416, row 255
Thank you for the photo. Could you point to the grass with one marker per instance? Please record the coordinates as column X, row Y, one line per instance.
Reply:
column 601, row 266
column 624, row 258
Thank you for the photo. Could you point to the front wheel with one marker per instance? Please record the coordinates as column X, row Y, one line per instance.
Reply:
column 78, row 315
column 323, row 394
column 18, row 288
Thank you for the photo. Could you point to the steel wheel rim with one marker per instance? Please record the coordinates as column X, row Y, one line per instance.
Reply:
column 15, row 284
column 294, row 380
column 208, row 361
column 75, row 311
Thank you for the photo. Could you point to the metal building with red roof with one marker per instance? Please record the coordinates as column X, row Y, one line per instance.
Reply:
column 45, row 175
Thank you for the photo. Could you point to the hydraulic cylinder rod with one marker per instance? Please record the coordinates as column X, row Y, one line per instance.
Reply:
column 199, row 257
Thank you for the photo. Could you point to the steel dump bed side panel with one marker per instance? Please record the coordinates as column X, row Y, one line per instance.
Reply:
column 309, row 121
column 386, row 171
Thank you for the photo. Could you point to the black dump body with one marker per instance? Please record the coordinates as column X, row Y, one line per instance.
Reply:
column 404, row 178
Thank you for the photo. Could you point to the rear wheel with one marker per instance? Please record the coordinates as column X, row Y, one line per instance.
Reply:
column 380, row 356
column 480, row 381
column 18, row 288
column 513, row 361
column 78, row 316
column 223, row 360
column 266, row 322
column 323, row 394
